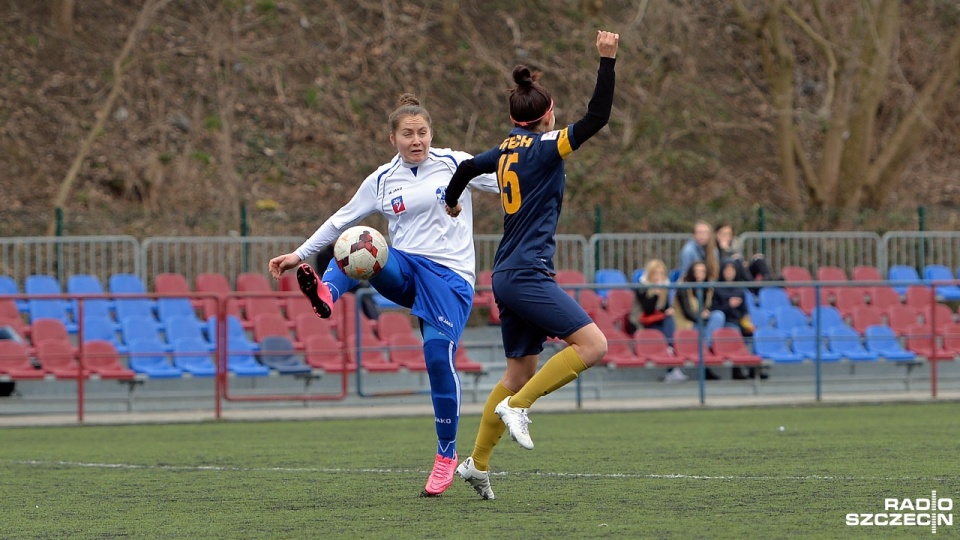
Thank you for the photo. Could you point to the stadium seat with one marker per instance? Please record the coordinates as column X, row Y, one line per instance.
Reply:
column 901, row 317
column 920, row 297
column 803, row 341
column 188, row 328
column 59, row 358
column 271, row 324
column 772, row 298
column 48, row 330
column 295, row 306
column 794, row 275
column 171, row 283
column 883, row 297
column 279, row 354
column 948, row 291
column 101, row 358
column 465, row 364
column 923, row 341
column 141, row 329
column 324, row 351
column 123, row 283
column 848, row 298
column 47, row 308
column 15, row 361
column 193, row 356
column 345, row 313
column 10, row 316
column 288, row 282
column 257, row 306
column 406, row 350
column 608, row 276
column 484, row 298
column 391, row 323
column 235, row 331
column 619, row 344
column 828, row 316
column 686, row 345
column 88, row 284
column 846, row 342
column 570, row 277
column 651, row 346
column 951, row 338
column 939, row 317
column 101, row 329
column 881, row 339
column 771, row 344
column 373, row 356
column 866, row 273
column 589, row 300
column 728, row 343
column 149, row 357
column 253, row 282
column 807, row 298
column 241, row 360
column 904, row 275
column 308, row 324
column 619, row 304
column 674, row 275
column 864, row 317
column 215, row 283
column 830, row 273
column 8, row 285
column 790, row 317
column 636, row 275
column 174, row 307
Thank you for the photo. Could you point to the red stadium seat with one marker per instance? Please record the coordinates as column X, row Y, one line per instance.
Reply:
column 324, row 351
column 902, row 317
column 100, row 357
column 729, row 344
column 15, row 362
column 59, row 358
column 864, row 317
column 651, row 346
column 391, row 323
column 308, row 324
column 866, row 273
column 216, row 283
column 686, row 345
column 406, row 350
column 48, row 330
column 373, row 355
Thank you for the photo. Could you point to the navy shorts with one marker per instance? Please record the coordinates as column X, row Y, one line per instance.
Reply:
column 532, row 308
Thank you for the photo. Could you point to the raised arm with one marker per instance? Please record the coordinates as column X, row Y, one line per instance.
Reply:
column 598, row 110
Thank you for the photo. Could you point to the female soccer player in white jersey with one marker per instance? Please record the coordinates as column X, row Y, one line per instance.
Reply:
column 529, row 165
column 431, row 267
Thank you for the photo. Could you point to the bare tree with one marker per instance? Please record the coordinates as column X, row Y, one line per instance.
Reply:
column 831, row 136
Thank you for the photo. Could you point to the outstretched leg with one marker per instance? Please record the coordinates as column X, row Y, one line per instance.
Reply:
column 438, row 352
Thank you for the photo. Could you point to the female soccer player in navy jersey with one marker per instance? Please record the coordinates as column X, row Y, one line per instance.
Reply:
column 529, row 167
column 431, row 264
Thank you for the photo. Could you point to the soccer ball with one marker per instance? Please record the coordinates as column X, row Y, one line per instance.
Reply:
column 361, row 252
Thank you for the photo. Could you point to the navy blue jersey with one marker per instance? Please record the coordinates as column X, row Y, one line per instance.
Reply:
column 530, row 171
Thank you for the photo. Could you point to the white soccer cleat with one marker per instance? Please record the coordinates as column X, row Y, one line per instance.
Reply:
column 517, row 423
column 478, row 480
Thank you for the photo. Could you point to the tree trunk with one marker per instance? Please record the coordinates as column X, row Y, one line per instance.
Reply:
column 780, row 65
column 61, row 16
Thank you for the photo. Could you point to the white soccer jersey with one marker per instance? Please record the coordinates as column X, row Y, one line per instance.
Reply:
column 412, row 199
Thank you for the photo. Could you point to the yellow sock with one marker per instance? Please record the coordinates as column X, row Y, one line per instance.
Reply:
column 560, row 369
column 491, row 428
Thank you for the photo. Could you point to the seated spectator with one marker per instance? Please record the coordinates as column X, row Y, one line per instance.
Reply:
column 729, row 248
column 695, row 249
column 731, row 301
column 691, row 312
column 652, row 304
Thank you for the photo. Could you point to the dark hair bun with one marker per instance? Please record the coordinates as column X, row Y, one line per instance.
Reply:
column 522, row 76
column 407, row 99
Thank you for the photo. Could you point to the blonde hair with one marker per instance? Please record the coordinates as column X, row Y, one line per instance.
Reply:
column 660, row 292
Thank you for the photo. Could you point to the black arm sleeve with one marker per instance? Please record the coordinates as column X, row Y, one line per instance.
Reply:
column 598, row 110
column 465, row 172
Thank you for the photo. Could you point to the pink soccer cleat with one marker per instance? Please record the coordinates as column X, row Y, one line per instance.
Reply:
column 441, row 477
column 315, row 290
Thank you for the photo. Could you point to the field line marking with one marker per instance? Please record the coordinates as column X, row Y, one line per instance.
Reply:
column 338, row 470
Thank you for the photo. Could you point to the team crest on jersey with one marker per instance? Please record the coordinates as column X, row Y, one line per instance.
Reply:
column 550, row 135
column 398, row 206
column 441, row 195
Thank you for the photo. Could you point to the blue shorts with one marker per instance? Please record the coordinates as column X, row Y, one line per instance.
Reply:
column 432, row 292
column 532, row 308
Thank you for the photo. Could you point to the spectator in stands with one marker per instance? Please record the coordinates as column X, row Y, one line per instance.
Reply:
column 431, row 267
column 701, row 247
column 731, row 300
column 729, row 248
column 693, row 310
column 532, row 304
column 652, row 306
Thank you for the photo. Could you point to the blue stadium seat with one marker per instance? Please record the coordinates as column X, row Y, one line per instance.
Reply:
column 790, row 317
column 882, row 340
column 235, row 332
column 846, row 342
column 674, row 275
column 102, row 329
column 771, row 298
column 42, row 309
column 150, row 358
column 187, row 327
column 130, row 284
column 803, row 340
column 907, row 275
column 88, row 284
column 638, row 273
column 829, row 317
column 141, row 329
column 608, row 276
column 192, row 356
column 771, row 343
column 174, row 307
column 939, row 272
column 241, row 362
column 8, row 285
column 278, row 354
